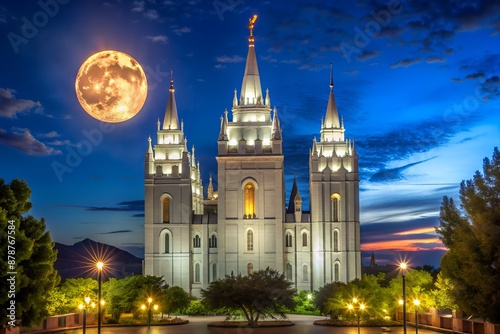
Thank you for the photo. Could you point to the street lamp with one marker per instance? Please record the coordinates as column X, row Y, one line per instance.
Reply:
column 155, row 307
column 358, row 306
column 416, row 303
column 403, row 266
column 84, row 308
column 99, row 265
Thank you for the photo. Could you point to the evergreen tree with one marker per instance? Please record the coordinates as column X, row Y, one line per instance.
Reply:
column 25, row 239
column 472, row 235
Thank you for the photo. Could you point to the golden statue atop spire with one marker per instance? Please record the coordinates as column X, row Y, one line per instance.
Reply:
column 251, row 23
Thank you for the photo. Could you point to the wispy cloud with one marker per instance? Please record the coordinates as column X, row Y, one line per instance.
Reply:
column 230, row 59
column 181, row 31
column 435, row 59
column 158, row 39
column 10, row 106
column 366, row 55
column 152, row 14
column 26, row 143
column 117, row 232
column 394, row 174
column 138, row 6
column 51, row 134
column 406, row 62
column 137, row 205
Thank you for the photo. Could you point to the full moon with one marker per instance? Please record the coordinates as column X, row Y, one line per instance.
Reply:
column 111, row 86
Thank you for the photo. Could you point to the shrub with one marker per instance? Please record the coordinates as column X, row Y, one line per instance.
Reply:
column 196, row 307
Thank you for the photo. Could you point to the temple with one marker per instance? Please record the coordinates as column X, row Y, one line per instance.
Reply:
column 246, row 224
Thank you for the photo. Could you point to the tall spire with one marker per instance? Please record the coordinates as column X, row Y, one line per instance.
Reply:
column 293, row 194
column 171, row 120
column 210, row 190
column 276, row 125
column 150, row 148
column 251, row 91
column 332, row 115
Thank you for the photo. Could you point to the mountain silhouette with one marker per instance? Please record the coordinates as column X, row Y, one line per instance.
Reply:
column 79, row 260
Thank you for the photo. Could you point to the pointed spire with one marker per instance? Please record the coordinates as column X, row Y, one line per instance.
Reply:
column 193, row 159
column 210, row 190
column 268, row 98
column 332, row 115
column 221, row 131
column 171, row 120
column 223, row 126
column 276, row 125
column 251, row 91
column 235, row 99
column 158, row 124
column 315, row 147
column 293, row 194
column 150, row 148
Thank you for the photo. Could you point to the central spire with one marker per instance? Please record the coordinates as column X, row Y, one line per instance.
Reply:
column 251, row 91
column 332, row 114
column 171, row 120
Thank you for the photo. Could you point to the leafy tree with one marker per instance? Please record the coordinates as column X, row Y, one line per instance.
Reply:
column 472, row 235
column 33, row 250
column 264, row 293
column 419, row 285
column 442, row 296
column 128, row 294
column 329, row 299
column 69, row 295
column 335, row 297
column 175, row 299
column 378, row 300
column 304, row 301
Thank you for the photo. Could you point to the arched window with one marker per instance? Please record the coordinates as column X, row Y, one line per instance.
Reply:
column 212, row 241
column 250, row 268
column 249, row 197
column 289, row 272
column 336, row 241
column 197, row 241
column 337, row 272
column 288, row 239
column 197, row 273
column 250, row 240
column 214, row 272
column 335, row 207
column 304, row 239
column 167, row 243
column 166, row 209
column 305, row 273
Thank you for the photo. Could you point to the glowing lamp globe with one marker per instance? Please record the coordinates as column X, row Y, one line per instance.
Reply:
column 111, row 86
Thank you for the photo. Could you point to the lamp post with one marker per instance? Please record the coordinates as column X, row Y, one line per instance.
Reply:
column 99, row 265
column 84, row 308
column 416, row 303
column 358, row 306
column 403, row 267
column 400, row 302
column 155, row 307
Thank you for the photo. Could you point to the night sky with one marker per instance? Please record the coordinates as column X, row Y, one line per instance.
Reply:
column 417, row 83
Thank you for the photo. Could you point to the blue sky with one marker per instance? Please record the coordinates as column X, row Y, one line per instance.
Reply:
column 417, row 84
